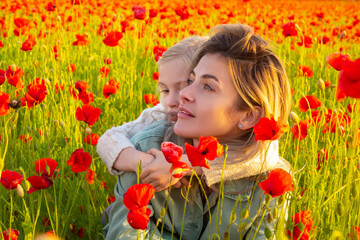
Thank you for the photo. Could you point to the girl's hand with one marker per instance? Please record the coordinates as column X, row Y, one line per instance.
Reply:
column 157, row 173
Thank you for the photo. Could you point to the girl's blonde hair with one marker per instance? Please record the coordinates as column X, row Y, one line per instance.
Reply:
column 259, row 78
column 185, row 50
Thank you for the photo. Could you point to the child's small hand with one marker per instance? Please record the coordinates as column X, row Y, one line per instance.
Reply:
column 157, row 173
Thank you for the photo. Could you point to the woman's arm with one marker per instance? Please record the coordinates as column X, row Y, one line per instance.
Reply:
column 112, row 143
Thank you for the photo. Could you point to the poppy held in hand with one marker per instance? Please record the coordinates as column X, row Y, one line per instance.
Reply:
column 79, row 161
column 10, row 179
column 209, row 148
column 88, row 114
column 136, row 199
column 278, row 182
column 112, row 39
column 305, row 220
column 172, row 154
column 39, row 182
column 307, row 102
column 268, row 129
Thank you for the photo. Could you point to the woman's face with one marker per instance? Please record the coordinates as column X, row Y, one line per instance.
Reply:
column 172, row 75
column 208, row 102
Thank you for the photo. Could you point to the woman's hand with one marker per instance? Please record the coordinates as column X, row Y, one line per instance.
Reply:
column 157, row 173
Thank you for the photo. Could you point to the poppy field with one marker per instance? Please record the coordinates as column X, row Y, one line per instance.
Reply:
column 70, row 70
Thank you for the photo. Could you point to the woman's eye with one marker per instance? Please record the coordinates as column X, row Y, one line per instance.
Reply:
column 189, row 82
column 208, row 87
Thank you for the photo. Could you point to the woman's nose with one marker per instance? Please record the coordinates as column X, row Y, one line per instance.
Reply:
column 186, row 94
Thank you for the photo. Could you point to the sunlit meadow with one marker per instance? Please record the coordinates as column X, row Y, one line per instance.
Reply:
column 104, row 54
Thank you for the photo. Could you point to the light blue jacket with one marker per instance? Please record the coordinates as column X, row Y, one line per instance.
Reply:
column 227, row 211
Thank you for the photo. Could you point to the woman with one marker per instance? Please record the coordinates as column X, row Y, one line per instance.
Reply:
column 236, row 80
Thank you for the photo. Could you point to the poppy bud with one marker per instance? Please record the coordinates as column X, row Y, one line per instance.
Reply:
column 242, row 226
column 267, row 199
column 27, row 185
column 281, row 200
column 62, row 124
column 332, row 85
column 297, row 27
column 226, row 236
column 60, row 108
column 20, row 190
column 340, row 209
column 162, row 212
column 294, row 117
column 275, row 212
column 58, row 18
column 321, row 84
column 354, row 191
column 293, row 63
column 245, row 213
column 88, row 131
column 15, row 103
column 13, row 67
column 233, row 216
column 269, row 218
column 301, row 226
column 267, row 233
column 139, row 168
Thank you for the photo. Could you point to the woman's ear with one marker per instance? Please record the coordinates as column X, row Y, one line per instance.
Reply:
column 250, row 118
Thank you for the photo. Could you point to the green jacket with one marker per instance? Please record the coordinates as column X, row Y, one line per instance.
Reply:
column 238, row 195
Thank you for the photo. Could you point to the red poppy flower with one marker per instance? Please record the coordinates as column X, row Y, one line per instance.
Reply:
column 150, row 98
column 108, row 90
column 42, row 166
column 171, row 151
column 306, row 41
column 10, row 234
column 208, row 149
column 178, row 169
column 104, row 72
column 289, row 30
column 107, row 60
column 158, row 52
column 81, row 40
column 25, row 138
column 80, row 232
column 355, row 233
column 88, row 114
column 39, row 182
column 155, row 76
column 111, row 199
column 300, row 130
column 59, row 87
column 304, row 218
column 86, row 98
column 36, row 93
column 336, row 122
column 50, row 7
column 349, row 78
column 79, row 161
column 139, row 12
column 10, row 179
column 2, row 77
column 71, row 67
column 182, row 12
column 4, row 103
column 29, row 43
column 307, row 102
column 268, row 129
column 13, row 75
column 112, row 39
column 79, row 87
column 136, row 198
column 90, row 176
column 153, row 13
column 278, row 182
column 305, row 71
column 336, row 60
column 91, row 139
column 1, row 45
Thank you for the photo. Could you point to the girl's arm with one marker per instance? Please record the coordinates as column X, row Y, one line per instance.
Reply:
column 112, row 143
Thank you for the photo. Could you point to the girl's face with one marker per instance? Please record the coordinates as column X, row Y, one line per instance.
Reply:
column 208, row 102
column 172, row 75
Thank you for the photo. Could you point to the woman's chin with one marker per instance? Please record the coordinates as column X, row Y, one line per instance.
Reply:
column 183, row 131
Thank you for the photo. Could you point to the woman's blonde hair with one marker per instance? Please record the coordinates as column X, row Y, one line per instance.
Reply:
column 258, row 75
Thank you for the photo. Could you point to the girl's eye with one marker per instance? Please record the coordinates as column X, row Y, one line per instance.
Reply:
column 189, row 82
column 164, row 91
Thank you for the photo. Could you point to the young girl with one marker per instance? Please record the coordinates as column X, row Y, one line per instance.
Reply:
column 114, row 146
column 236, row 80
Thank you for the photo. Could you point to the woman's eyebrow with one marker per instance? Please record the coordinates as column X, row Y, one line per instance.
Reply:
column 206, row 76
